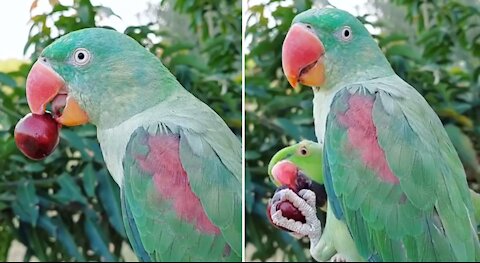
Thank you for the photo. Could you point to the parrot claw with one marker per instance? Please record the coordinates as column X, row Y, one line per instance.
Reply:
column 308, row 196
column 338, row 258
column 312, row 227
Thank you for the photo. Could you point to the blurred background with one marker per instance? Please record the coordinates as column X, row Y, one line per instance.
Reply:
column 66, row 207
column 433, row 45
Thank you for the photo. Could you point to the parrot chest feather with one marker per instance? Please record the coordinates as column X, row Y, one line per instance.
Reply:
column 171, row 181
column 321, row 107
column 113, row 141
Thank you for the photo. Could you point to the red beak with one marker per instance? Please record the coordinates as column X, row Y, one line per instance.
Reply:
column 285, row 173
column 45, row 85
column 302, row 55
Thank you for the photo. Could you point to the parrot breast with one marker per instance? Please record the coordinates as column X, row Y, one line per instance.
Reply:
column 171, row 181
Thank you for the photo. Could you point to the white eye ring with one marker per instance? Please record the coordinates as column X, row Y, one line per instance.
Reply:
column 303, row 151
column 346, row 33
column 81, row 56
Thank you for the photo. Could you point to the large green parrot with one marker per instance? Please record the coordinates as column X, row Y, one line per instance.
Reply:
column 305, row 159
column 391, row 172
column 177, row 163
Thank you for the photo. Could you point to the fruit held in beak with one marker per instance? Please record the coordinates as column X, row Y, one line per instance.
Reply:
column 302, row 57
column 37, row 135
column 44, row 85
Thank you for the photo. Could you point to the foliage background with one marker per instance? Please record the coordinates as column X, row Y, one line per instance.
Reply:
column 66, row 207
column 433, row 45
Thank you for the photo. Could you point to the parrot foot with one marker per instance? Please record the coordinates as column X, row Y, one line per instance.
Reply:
column 305, row 203
column 338, row 258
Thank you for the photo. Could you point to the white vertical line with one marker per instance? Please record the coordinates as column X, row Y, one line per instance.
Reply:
column 244, row 9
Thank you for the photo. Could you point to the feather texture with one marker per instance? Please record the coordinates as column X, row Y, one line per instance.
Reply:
column 180, row 179
column 403, row 195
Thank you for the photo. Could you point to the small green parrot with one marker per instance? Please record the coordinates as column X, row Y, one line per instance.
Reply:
column 305, row 159
column 286, row 169
column 391, row 172
column 177, row 163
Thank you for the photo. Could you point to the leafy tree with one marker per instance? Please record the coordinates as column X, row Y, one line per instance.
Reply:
column 435, row 48
column 66, row 207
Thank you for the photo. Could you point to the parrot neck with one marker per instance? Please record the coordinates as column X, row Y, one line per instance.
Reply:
column 366, row 65
column 142, row 95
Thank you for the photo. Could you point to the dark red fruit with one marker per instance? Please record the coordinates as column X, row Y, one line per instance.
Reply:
column 37, row 135
column 269, row 215
column 291, row 212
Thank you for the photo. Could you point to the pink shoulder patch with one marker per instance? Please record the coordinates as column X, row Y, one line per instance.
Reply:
column 362, row 135
column 171, row 181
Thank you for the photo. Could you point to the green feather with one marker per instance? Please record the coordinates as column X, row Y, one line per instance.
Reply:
column 427, row 215
column 163, row 235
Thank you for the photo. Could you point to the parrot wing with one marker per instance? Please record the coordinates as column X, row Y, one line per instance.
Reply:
column 181, row 190
column 393, row 175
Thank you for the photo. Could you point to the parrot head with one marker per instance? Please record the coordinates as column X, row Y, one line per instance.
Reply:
column 95, row 75
column 299, row 166
column 326, row 46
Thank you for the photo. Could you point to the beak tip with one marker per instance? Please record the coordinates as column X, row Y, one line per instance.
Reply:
column 293, row 82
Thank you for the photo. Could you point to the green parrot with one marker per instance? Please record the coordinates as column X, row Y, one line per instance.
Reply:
column 391, row 173
column 177, row 163
column 286, row 169
column 305, row 159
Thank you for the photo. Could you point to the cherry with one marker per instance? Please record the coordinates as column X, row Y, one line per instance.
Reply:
column 37, row 136
column 290, row 211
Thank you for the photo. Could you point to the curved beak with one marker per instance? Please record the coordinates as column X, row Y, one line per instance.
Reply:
column 285, row 173
column 302, row 57
column 43, row 86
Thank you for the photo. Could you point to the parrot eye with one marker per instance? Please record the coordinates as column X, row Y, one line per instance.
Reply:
column 81, row 57
column 346, row 33
column 303, row 151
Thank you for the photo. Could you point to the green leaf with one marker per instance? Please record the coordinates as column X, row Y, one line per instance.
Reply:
column 5, row 123
column 97, row 239
column 177, row 47
column 69, row 191
column 109, row 196
column 255, row 91
column 86, row 13
column 403, row 51
column 7, row 80
column 190, row 60
column 251, row 155
column 26, row 203
column 3, row 206
column 289, row 128
column 34, row 167
column 249, row 191
column 384, row 41
column 35, row 242
column 75, row 141
column 56, row 229
column 6, row 238
column 89, row 180
column 59, row 8
column 106, row 11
